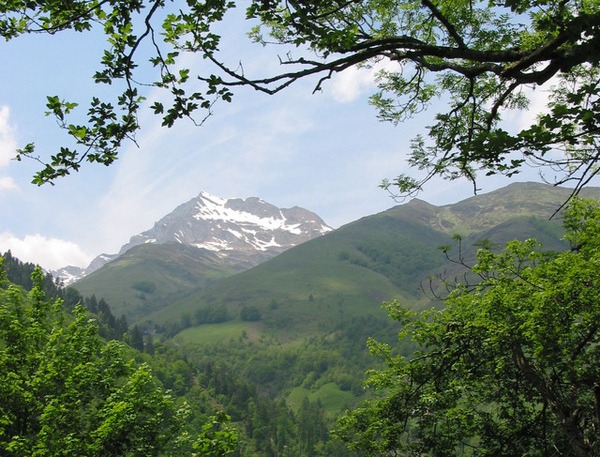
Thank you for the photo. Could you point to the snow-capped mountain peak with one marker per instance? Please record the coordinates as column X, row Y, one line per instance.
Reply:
column 250, row 221
column 242, row 232
column 240, row 225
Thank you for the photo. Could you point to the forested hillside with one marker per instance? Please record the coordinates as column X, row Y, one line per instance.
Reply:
column 68, row 391
column 349, row 272
column 508, row 367
column 296, row 327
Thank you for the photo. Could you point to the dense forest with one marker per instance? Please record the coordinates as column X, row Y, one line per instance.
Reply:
column 198, row 385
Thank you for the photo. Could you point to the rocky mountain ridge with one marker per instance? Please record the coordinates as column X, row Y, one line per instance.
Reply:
column 241, row 232
column 222, row 226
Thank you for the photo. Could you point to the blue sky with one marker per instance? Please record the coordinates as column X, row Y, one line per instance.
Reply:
column 326, row 152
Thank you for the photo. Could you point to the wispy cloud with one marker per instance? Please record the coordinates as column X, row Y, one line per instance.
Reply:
column 8, row 146
column 7, row 184
column 49, row 253
column 8, row 143
column 538, row 103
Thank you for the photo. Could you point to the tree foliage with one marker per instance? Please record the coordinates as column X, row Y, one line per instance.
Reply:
column 510, row 368
column 479, row 57
column 66, row 392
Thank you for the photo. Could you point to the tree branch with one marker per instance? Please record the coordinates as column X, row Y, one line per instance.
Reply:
column 449, row 27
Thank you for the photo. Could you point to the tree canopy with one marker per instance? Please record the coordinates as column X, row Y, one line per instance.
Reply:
column 64, row 391
column 510, row 367
column 479, row 58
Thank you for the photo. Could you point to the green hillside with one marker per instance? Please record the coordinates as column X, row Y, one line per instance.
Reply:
column 349, row 272
column 296, row 326
column 149, row 277
column 310, row 289
column 318, row 303
column 313, row 287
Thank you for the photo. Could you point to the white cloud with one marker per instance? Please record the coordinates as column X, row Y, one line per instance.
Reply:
column 49, row 253
column 8, row 146
column 6, row 184
column 347, row 86
column 350, row 84
column 8, row 143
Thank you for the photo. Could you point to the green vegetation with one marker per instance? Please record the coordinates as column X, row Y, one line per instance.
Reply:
column 211, row 315
column 219, row 333
column 250, row 314
column 310, row 289
column 465, row 378
column 147, row 287
column 148, row 277
column 66, row 392
column 318, row 309
column 510, row 366
column 330, row 396
column 69, row 378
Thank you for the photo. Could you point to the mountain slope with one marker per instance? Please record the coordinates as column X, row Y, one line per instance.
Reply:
column 149, row 276
column 297, row 325
column 349, row 272
column 206, row 238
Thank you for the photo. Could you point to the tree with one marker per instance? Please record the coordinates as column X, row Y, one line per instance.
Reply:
column 311, row 426
column 480, row 57
column 250, row 314
column 66, row 392
column 136, row 339
column 509, row 368
column 217, row 438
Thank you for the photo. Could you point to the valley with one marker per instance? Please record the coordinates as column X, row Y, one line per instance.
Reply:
column 294, row 324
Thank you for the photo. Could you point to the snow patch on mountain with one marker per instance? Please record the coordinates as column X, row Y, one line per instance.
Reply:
column 217, row 209
column 221, row 225
column 71, row 274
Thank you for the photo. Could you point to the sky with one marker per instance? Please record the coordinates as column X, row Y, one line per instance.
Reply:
column 325, row 152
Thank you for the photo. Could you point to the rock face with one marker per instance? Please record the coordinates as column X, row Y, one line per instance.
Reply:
column 242, row 232
column 233, row 227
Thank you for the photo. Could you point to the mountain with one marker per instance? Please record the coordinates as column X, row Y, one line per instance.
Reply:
column 243, row 233
column 297, row 325
column 71, row 274
column 201, row 240
column 347, row 273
